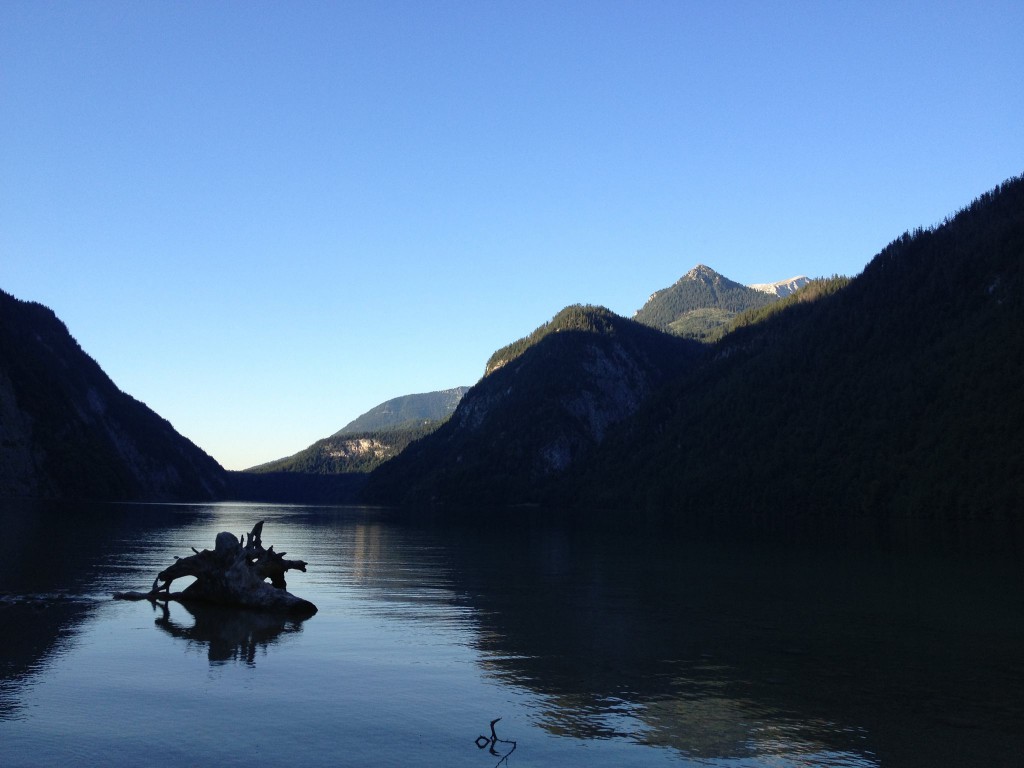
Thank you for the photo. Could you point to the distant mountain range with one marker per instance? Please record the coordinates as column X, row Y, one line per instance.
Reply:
column 699, row 306
column 385, row 431
column 369, row 440
column 895, row 393
column 406, row 411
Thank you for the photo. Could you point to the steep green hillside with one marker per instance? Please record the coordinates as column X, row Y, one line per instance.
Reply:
column 406, row 411
column 699, row 304
column 547, row 400
column 69, row 432
column 578, row 317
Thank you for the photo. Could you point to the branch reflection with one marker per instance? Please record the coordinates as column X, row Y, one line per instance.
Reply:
column 492, row 742
column 229, row 634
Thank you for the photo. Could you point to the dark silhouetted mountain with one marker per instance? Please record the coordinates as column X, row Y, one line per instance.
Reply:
column 700, row 303
column 897, row 393
column 543, row 405
column 893, row 394
column 69, row 432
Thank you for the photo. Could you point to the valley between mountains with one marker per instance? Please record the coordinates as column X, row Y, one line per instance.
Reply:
column 894, row 393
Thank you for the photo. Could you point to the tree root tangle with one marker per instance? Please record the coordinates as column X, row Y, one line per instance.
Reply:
column 234, row 573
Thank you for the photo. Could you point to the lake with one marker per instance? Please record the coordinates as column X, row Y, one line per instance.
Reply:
column 594, row 648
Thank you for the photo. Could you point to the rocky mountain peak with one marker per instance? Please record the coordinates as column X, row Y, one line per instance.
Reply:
column 702, row 273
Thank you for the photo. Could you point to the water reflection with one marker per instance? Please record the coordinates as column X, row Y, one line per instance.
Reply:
column 495, row 746
column 832, row 656
column 228, row 634
column 33, row 632
column 48, row 585
column 677, row 650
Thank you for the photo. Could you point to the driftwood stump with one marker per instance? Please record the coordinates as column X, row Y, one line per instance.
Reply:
column 234, row 573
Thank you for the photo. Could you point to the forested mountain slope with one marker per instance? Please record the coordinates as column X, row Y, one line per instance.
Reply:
column 373, row 437
column 545, row 402
column 900, row 394
column 699, row 303
column 406, row 411
column 350, row 452
column 69, row 432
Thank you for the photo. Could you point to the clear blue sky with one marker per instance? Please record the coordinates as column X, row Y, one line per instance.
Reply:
column 262, row 219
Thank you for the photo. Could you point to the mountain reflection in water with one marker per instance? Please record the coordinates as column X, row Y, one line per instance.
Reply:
column 840, row 655
column 594, row 648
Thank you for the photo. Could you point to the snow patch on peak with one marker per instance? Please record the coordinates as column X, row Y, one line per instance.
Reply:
column 782, row 287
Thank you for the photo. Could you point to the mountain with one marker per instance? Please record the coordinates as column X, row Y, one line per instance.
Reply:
column 894, row 394
column 372, row 438
column 350, row 452
column 544, row 403
column 406, row 411
column 700, row 304
column 69, row 432
column 782, row 288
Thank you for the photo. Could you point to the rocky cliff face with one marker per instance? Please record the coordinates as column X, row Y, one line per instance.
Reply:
column 575, row 418
column 357, row 446
column 66, row 431
column 612, row 381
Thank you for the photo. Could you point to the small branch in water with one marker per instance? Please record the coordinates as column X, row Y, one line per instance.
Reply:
column 493, row 741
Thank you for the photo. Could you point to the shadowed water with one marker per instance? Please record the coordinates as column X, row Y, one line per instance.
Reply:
column 594, row 649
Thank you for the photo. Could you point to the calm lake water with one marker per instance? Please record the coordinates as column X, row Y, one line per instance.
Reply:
column 594, row 649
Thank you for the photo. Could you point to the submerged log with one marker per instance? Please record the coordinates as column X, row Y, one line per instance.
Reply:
column 234, row 573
